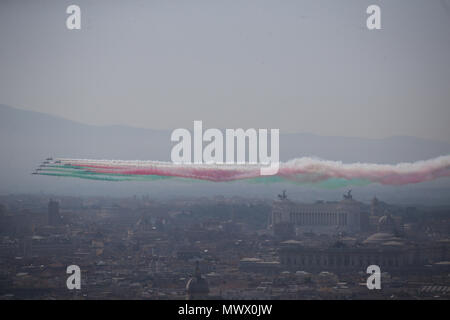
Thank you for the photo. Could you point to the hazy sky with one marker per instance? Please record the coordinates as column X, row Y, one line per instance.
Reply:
column 301, row 66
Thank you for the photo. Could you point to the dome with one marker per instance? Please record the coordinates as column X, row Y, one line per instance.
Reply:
column 197, row 286
column 381, row 237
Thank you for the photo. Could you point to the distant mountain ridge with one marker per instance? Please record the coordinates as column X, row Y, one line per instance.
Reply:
column 27, row 137
column 61, row 137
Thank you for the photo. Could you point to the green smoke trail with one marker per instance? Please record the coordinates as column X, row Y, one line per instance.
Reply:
column 82, row 174
column 85, row 173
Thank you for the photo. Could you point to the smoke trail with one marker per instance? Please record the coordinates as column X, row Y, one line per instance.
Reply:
column 302, row 171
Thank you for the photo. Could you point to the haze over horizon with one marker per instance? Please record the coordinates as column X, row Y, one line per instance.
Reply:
column 138, row 70
column 190, row 127
column 27, row 137
column 300, row 67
